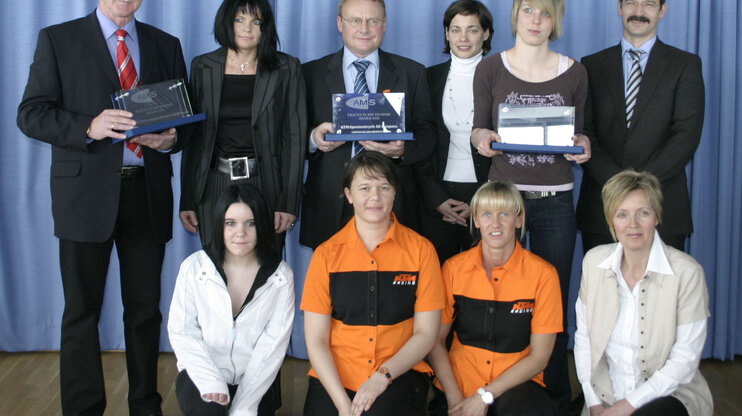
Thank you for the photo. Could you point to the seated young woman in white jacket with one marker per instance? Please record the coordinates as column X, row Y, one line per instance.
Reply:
column 232, row 311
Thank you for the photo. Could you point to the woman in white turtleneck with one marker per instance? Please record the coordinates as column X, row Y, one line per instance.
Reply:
column 451, row 176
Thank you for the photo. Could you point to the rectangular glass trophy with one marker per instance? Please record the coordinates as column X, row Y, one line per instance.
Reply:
column 377, row 117
column 157, row 107
column 536, row 129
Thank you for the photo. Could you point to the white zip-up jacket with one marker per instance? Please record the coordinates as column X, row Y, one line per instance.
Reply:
column 217, row 350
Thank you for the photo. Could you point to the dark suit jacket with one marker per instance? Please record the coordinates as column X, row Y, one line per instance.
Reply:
column 323, row 203
column 70, row 82
column 430, row 171
column 665, row 131
column 279, row 126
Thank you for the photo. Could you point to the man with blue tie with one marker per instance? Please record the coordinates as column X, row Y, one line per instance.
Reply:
column 644, row 111
column 360, row 67
column 105, row 191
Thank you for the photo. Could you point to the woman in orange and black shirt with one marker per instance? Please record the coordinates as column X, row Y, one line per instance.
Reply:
column 504, row 305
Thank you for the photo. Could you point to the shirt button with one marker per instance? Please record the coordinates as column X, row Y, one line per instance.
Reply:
column 496, row 279
column 372, row 262
column 369, row 361
column 372, row 315
column 341, row 196
column 370, row 340
column 491, row 310
column 488, row 362
column 371, row 288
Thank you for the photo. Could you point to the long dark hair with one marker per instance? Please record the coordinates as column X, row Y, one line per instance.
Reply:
column 268, row 45
column 251, row 196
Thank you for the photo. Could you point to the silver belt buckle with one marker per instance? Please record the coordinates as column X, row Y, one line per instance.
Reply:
column 238, row 168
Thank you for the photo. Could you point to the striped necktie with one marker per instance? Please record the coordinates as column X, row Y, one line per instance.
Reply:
column 360, row 86
column 127, row 77
column 632, row 84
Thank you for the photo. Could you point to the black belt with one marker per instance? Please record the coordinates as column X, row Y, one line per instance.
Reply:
column 237, row 167
column 130, row 171
column 538, row 194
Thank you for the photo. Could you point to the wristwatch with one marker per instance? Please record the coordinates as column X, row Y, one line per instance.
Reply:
column 385, row 372
column 487, row 397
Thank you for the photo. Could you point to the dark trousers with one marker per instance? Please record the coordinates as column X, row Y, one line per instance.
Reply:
column 84, row 267
column 590, row 240
column 406, row 396
column 527, row 399
column 551, row 230
column 191, row 403
column 664, row 406
column 448, row 239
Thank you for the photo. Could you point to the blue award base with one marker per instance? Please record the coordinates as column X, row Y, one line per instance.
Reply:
column 530, row 148
column 162, row 125
column 377, row 137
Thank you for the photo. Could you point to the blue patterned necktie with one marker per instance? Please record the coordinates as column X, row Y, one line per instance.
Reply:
column 632, row 84
column 360, row 86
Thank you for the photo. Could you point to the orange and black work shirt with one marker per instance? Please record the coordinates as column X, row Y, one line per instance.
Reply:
column 372, row 297
column 493, row 319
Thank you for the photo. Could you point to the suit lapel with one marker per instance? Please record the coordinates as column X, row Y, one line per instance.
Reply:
column 99, row 52
column 334, row 77
column 265, row 86
column 650, row 79
column 212, row 77
column 147, row 55
column 387, row 74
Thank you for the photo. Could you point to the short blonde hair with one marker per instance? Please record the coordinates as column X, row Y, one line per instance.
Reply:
column 498, row 196
column 555, row 8
column 621, row 185
column 342, row 3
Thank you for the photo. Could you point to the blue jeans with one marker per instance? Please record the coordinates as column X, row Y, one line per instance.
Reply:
column 551, row 230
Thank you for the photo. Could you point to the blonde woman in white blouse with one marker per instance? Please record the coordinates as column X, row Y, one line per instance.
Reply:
column 641, row 313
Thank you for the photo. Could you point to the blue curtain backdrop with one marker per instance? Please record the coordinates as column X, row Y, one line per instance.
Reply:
column 31, row 300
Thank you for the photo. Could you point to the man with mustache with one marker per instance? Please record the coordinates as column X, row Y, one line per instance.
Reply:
column 105, row 191
column 646, row 116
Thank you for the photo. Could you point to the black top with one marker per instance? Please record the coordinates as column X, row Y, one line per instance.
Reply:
column 234, row 134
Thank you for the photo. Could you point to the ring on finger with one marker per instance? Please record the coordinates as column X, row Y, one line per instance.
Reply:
column 112, row 124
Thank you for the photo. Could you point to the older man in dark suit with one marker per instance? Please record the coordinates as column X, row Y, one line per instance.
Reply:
column 362, row 24
column 644, row 111
column 104, row 192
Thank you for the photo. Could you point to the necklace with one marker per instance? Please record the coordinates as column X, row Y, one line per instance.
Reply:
column 466, row 120
column 241, row 65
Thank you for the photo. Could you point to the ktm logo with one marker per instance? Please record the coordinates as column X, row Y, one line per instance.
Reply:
column 405, row 279
column 522, row 307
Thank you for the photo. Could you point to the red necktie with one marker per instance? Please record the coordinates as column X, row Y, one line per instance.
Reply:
column 127, row 76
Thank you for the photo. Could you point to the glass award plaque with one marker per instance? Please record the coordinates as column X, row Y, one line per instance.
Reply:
column 536, row 129
column 157, row 107
column 379, row 117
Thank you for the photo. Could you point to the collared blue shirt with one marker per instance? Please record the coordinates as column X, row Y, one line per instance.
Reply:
column 350, row 73
column 646, row 47
column 108, row 27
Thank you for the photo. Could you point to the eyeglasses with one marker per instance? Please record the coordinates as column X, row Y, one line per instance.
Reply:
column 372, row 22
column 632, row 4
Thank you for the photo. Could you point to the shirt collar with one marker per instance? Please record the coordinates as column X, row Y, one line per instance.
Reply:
column 349, row 58
column 645, row 47
column 349, row 235
column 657, row 262
column 512, row 266
column 108, row 27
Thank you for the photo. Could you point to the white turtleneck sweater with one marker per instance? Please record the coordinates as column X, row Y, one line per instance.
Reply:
column 458, row 113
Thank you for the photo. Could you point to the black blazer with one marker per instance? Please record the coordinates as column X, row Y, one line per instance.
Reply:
column 430, row 171
column 323, row 204
column 70, row 82
column 665, row 131
column 279, row 125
